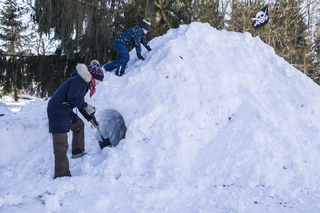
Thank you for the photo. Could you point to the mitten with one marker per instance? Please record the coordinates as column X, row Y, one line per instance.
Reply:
column 140, row 56
column 90, row 109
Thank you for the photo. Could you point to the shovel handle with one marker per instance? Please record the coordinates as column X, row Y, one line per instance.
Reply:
column 95, row 121
column 103, row 139
column 100, row 132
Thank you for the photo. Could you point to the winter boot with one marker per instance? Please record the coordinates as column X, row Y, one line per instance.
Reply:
column 77, row 153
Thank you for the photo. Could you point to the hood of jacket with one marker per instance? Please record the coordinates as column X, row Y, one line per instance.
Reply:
column 83, row 72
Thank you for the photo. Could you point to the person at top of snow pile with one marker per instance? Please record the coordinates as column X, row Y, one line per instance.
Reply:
column 132, row 37
column 61, row 117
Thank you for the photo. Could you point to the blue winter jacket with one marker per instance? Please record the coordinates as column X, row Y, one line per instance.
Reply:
column 69, row 95
column 133, row 37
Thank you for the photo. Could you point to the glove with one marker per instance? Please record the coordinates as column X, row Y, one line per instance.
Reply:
column 96, row 125
column 148, row 48
column 140, row 56
column 90, row 109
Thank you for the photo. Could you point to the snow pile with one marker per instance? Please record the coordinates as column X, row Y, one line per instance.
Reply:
column 215, row 122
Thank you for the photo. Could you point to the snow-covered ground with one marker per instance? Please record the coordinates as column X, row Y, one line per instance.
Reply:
column 215, row 120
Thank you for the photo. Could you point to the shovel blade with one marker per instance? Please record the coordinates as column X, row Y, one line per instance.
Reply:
column 104, row 143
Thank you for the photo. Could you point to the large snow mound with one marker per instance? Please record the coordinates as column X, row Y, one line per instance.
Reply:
column 215, row 122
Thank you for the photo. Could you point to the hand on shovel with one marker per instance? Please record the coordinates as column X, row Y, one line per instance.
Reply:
column 105, row 141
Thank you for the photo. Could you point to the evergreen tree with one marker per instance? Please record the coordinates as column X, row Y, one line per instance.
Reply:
column 91, row 27
column 82, row 26
column 13, row 42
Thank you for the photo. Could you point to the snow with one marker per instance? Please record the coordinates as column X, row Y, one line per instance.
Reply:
column 215, row 121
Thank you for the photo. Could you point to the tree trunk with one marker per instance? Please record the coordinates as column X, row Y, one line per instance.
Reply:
column 15, row 93
column 15, row 79
column 151, row 13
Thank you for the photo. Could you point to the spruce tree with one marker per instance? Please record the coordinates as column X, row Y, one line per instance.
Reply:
column 87, row 27
column 90, row 27
column 13, row 40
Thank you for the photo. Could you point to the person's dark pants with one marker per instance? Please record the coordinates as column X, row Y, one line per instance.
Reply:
column 60, row 148
column 111, row 65
column 123, row 55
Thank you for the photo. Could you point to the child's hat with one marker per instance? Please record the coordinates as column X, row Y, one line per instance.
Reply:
column 95, row 70
column 146, row 24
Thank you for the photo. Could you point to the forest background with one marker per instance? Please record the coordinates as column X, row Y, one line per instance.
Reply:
column 39, row 52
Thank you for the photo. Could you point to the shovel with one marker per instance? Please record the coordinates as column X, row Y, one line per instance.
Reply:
column 105, row 141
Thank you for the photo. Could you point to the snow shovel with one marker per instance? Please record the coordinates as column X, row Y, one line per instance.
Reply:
column 105, row 141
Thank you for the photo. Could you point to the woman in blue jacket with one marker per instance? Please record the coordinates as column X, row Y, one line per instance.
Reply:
column 61, row 117
column 132, row 37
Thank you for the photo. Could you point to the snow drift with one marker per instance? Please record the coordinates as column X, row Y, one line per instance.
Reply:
column 215, row 122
